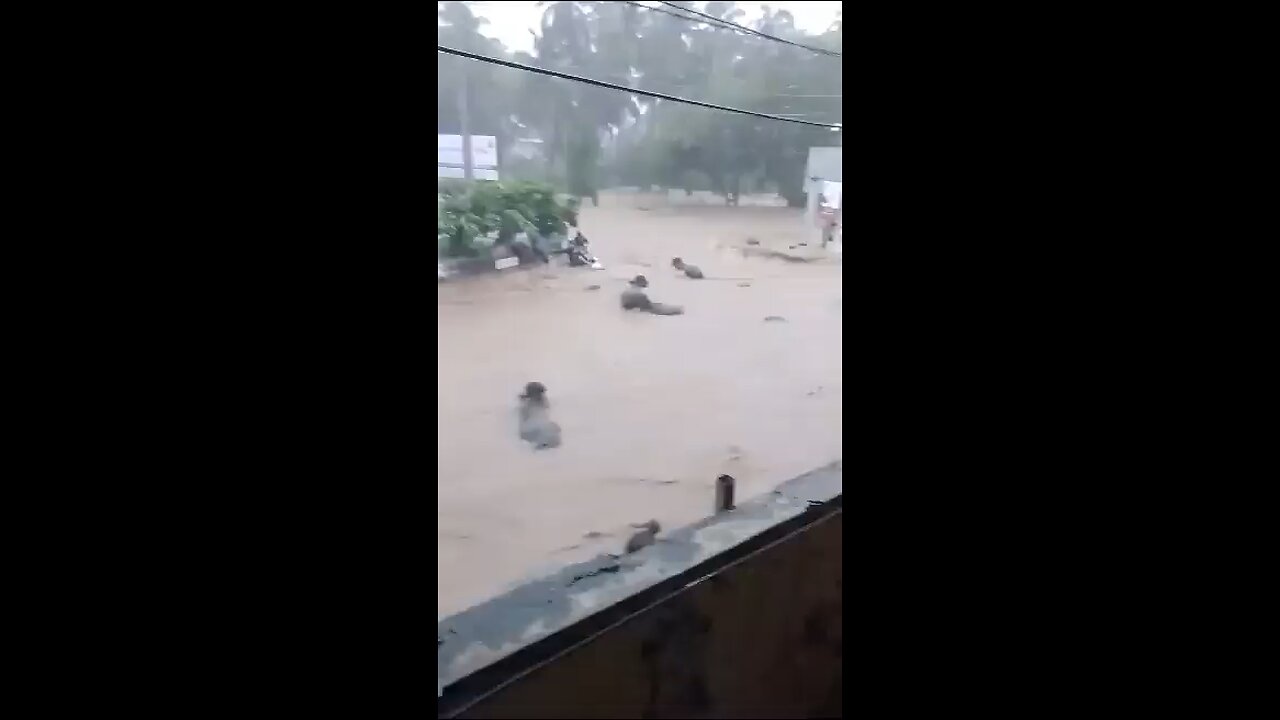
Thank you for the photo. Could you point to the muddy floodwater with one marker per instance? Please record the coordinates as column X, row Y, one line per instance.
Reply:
column 652, row 408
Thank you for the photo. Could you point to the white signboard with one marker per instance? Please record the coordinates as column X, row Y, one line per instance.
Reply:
column 484, row 151
column 456, row 172
column 830, row 198
column 825, row 163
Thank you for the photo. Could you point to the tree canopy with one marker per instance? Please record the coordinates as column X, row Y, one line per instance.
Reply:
column 595, row 136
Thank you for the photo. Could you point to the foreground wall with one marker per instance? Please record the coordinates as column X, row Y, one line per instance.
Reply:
column 753, row 631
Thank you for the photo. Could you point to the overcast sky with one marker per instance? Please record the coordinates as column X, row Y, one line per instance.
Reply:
column 511, row 22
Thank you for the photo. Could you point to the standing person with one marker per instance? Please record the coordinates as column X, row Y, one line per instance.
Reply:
column 829, row 205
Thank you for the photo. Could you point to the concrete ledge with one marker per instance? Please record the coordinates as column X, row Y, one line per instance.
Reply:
column 488, row 647
column 458, row 268
column 454, row 268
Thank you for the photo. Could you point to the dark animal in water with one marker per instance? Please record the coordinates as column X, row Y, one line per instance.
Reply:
column 535, row 423
column 645, row 537
column 633, row 298
column 690, row 270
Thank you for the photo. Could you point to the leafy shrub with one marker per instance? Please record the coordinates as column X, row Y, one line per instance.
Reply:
column 467, row 212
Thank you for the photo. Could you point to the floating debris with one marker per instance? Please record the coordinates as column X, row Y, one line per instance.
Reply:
column 606, row 569
column 766, row 253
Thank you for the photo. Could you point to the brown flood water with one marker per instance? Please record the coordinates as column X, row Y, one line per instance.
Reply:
column 652, row 408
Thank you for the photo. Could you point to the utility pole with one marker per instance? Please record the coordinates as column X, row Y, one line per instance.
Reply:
column 465, row 129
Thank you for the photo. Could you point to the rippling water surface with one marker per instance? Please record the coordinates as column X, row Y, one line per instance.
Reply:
column 652, row 408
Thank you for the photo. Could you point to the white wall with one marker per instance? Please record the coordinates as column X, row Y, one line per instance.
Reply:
column 825, row 163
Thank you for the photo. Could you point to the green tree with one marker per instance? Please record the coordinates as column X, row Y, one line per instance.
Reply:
column 594, row 39
column 490, row 89
column 653, row 141
column 740, row 71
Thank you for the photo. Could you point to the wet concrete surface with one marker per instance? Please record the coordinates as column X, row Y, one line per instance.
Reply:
column 652, row 409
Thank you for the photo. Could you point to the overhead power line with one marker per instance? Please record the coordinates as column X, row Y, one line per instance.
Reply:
column 742, row 28
column 665, row 12
column 624, row 88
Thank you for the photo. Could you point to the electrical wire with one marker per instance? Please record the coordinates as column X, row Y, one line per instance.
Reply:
column 742, row 28
column 624, row 88
column 658, row 10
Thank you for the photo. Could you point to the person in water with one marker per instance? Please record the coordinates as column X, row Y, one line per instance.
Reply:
column 578, row 253
column 634, row 298
column 690, row 270
column 535, row 423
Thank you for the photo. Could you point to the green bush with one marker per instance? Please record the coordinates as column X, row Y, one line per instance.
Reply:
column 468, row 211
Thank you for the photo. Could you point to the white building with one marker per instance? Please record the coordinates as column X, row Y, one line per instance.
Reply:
column 484, row 157
column 824, row 164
